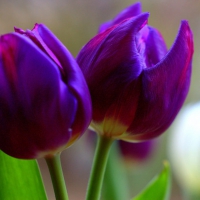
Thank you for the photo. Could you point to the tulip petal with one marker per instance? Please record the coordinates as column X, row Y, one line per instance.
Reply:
column 35, row 37
column 72, row 76
column 37, row 108
column 151, row 46
column 156, row 47
column 110, row 62
column 136, row 151
column 165, row 87
column 128, row 12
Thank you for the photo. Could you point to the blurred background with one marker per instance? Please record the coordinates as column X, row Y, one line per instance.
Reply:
column 74, row 22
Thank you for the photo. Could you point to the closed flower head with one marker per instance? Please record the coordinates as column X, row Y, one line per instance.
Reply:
column 44, row 100
column 137, row 86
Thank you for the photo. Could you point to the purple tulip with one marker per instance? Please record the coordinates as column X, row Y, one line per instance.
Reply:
column 137, row 86
column 136, row 151
column 44, row 100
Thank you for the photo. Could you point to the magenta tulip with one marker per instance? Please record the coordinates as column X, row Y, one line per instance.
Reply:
column 44, row 100
column 134, row 152
column 137, row 86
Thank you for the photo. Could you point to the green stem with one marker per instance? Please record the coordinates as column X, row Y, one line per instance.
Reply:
column 115, row 181
column 98, row 168
column 57, row 177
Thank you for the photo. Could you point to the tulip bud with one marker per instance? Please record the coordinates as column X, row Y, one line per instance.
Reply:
column 184, row 149
column 137, row 86
column 44, row 100
column 133, row 152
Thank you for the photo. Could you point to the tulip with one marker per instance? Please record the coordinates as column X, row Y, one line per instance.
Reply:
column 44, row 100
column 137, row 86
column 134, row 152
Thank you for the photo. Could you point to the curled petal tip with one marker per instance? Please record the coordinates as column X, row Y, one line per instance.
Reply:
column 184, row 23
column 141, row 20
column 188, row 33
column 184, row 27
column 184, row 41
column 19, row 30
column 128, row 12
column 145, row 17
column 136, row 23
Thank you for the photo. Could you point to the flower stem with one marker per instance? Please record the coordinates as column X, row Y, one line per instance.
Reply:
column 57, row 177
column 115, row 181
column 98, row 168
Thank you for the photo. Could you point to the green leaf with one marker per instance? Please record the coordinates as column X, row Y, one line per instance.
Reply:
column 159, row 187
column 20, row 179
